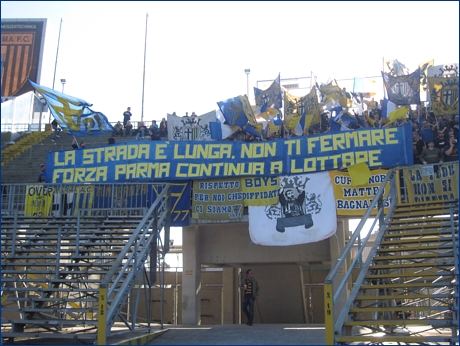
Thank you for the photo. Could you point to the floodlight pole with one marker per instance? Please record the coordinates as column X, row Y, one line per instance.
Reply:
column 57, row 52
column 55, row 64
column 247, row 80
column 143, row 81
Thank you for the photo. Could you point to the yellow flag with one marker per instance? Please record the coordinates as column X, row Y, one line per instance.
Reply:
column 398, row 113
column 359, row 174
column 293, row 122
column 369, row 119
column 370, row 104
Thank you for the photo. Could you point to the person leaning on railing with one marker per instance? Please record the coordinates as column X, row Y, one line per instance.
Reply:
column 431, row 155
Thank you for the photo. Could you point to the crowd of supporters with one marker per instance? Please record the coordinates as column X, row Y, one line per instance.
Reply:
column 435, row 138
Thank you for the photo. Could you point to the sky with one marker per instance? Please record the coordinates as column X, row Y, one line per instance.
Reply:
column 196, row 52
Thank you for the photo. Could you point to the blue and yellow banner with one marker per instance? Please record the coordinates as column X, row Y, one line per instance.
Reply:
column 74, row 114
column 170, row 161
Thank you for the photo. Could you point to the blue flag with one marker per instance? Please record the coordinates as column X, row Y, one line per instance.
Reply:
column 403, row 90
column 216, row 129
column 249, row 128
column 277, row 120
column 233, row 111
column 74, row 114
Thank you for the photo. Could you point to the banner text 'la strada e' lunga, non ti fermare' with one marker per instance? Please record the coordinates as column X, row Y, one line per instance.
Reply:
column 181, row 160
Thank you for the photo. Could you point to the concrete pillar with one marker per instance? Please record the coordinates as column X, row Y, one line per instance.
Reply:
column 229, row 286
column 191, row 276
column 337, row 244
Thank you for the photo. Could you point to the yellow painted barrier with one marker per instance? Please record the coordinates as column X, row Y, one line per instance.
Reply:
column 329, row 314
column 102, row 309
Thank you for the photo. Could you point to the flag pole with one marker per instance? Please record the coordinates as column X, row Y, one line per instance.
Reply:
column 55, row 64
column 143, row 80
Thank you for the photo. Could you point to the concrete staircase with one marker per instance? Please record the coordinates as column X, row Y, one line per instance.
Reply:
column 22, row 144
column 412, row 283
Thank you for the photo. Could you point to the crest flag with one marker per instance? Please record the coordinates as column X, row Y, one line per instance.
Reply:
column 305, row 212
column 403, row 90
column 444, row 95
column 190, row 128
column 446, row 70
column 424, row 66
column 271, row 97
column 237, row 111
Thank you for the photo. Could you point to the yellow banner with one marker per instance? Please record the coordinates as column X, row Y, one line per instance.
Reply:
column 38, row 200
column 355, row 200
column 424, row 184
column 259, row 191
column 217, row 199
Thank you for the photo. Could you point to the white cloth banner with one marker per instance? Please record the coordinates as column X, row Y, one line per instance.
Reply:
column 190, row 128
column 226, row 130
column 440, row 71
column 305, row 212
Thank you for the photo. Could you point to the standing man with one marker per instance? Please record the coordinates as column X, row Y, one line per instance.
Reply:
column 42, row 176
column 56, row 128
column 250, row 288
column 126, row 116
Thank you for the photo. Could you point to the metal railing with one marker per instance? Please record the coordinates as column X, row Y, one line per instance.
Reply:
column 338, row 300
column 150, row 239
column 333, row 303
column 130, row 262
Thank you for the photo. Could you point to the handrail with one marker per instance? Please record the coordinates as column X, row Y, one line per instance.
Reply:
column 133, row 255
column 335, row 322
column 411, row 189
column 335, row 269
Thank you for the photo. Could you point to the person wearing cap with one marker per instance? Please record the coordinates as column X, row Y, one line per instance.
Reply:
column 42, row 176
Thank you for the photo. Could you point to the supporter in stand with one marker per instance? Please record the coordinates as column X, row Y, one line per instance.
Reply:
column 75, row 144
column 154, row 127
column 417, row 145
column 141, row 131
column 426, row 132
column 118, row 129
column 163, row 128
column 128, row 130
column 439, row 141
column 153, row 136
column 127, row 116
column 57, row 129
column 431, row 154
column 42, row 176
column 451, row 149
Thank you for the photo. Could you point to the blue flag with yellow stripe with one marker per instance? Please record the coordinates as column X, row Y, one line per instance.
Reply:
column 74, row 114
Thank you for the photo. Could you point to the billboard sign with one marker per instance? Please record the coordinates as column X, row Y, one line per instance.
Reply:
column 22, row 50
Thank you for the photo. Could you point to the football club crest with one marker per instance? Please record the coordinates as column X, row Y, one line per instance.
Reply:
column 191, row 130
column 296, row 205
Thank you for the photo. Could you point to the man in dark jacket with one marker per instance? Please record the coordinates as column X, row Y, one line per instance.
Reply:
column 250, row 288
